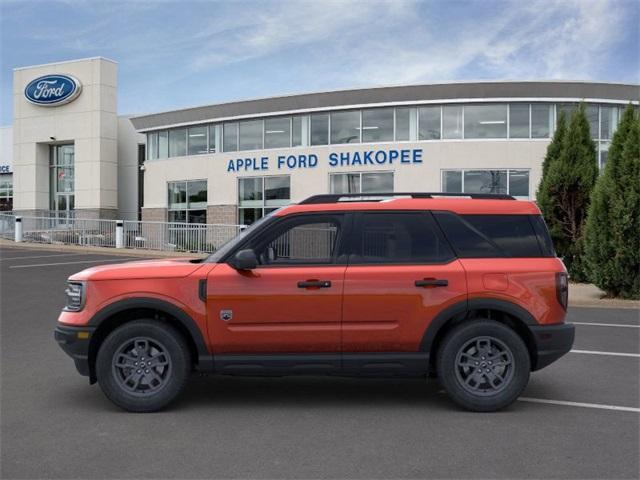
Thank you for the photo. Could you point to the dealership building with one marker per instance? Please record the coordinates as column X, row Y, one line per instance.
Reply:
column 68, row 150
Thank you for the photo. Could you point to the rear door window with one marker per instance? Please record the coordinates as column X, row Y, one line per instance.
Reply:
column 487, row 236
column 398, row 238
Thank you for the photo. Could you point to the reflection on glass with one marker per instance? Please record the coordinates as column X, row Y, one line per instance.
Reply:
column 197, row 140
column 519, row 120
column 277, row 190
column 541, row 120
column 485, row 181
column 251, row 135
column 485, row 121
column 452, row 121
column 296, row 131
column 377, row 125
column 344, row 183
column 277, row 132
column 381, row 182
column 163, row 144
column 178, row 142
column 519, row 183
column 403, row 122
column 429, row 123
column 230, row 137
column 345, row 127
column 320, row 129
column 452, row 181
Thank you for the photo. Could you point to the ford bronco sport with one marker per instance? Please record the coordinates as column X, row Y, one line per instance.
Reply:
column 465, row 288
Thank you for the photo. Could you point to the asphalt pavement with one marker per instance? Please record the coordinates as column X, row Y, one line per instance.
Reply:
column 579, row 418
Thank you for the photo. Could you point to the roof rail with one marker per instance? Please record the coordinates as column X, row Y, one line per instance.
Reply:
column 378, row 197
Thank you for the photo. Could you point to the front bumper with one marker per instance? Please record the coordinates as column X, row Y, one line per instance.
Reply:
column 552, row 342
column 75, row 343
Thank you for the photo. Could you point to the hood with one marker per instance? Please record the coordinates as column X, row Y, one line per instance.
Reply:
column 164, row 268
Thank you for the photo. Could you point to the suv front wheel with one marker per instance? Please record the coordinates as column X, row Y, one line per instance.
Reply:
column 483, row 365
column 143, row 365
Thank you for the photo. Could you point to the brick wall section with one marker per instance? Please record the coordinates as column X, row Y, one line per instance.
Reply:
column 154, row 214
column 222, row 214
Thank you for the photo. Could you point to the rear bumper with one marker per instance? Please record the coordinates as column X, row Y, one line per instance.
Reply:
column 74, row 345
column 552, row 342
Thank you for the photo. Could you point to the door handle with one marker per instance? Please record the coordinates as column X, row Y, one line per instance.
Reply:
column 314, row 284
column 432, row 282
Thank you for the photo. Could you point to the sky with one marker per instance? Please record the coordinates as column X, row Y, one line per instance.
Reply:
column 176, row 54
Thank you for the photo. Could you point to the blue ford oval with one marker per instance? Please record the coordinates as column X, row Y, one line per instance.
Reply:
column 52, row 90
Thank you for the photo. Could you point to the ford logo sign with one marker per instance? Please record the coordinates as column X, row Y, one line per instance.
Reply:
column 53, row 90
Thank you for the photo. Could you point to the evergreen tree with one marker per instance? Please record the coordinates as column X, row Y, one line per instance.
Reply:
column 612, row 234
column 555, row 147
column 565, row 192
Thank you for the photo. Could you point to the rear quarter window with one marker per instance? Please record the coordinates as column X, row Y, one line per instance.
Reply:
column 486, row 236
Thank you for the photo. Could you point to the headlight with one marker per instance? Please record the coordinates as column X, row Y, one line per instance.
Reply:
column 75, row 296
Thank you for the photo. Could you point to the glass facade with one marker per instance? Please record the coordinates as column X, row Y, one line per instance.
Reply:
column 62, row 178
column 361, row 182
column 258, row 196
column 499, row 181
column 6, row 191
column 521, row 120
column 187, row 201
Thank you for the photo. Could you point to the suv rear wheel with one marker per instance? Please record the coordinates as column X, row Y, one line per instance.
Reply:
column 143, row 365
column 483, row 365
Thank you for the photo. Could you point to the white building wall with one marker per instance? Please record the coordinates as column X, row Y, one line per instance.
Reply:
column 128, row 169
column 90, row 122
column 426, row 176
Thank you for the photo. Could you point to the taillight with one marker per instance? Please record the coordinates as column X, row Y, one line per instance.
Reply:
column 562, row 289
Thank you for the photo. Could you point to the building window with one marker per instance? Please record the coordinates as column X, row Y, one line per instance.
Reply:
column 163, row 144
column 296, row 131
column 608, row 122
column 277, row 132
column 592, row 117
column 212, row 138
column 230, row 137
column 541, row 120
column 251, row 135
column 377, row 125
column 452, row 121
column 485, row 121
column 62, row 178
column 429, row 123
column 519, row 120
column 361, row 182
column 197, row 141
column 320, row 129
column 258, row 196
column 6, row 192
column 152, row 146
column 345, row 127
column 403, row 124
column 178, row 142
column 188, row 201
column 511, row 182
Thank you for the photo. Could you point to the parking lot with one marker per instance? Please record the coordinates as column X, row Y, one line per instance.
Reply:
column 579, row 418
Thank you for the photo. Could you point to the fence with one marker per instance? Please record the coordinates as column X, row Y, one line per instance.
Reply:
column 191, row 237
column 161, row 236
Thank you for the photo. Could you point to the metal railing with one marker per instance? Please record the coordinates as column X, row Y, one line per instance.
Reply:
column 69, row 231
column 162, row 236
column 189, row 237
column 7, row 226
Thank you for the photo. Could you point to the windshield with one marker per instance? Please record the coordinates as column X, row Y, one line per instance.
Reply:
column 228, row 246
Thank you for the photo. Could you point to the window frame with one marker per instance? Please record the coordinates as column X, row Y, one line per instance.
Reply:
column 360, row 173
column 507, row 170
column 263, row 206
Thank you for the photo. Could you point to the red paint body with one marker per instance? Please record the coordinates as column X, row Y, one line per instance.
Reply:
column 367, row 309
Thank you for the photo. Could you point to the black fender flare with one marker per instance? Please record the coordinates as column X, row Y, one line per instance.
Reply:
column 204, row 359
column 460, row 310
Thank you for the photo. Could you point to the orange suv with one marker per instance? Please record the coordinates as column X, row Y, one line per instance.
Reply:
column 466, row 288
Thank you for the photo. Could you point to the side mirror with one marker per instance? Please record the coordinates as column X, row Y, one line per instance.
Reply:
column 245, row 260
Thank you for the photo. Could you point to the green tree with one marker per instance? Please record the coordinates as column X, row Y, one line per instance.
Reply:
column 565, row 192
column 555, row 147
column 612, row 236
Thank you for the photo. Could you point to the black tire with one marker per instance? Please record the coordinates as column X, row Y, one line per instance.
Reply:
column 137, row 383
column 464, row 370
